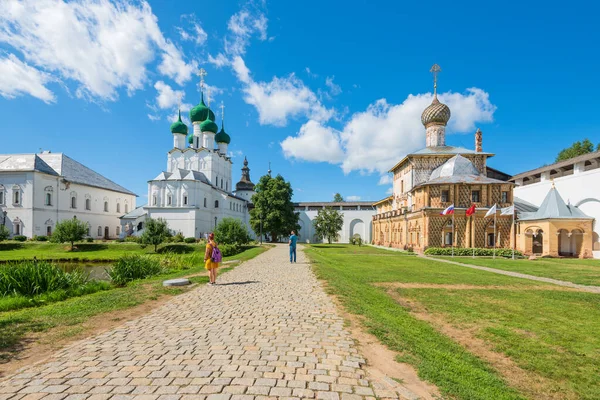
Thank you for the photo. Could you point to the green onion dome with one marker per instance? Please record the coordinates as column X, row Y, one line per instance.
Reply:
column 201, row 112
column 209, row 125
column 190, row 139
column 179, row 127
column 222, row 136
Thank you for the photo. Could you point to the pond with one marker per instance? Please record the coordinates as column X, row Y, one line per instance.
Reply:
column 97, row 271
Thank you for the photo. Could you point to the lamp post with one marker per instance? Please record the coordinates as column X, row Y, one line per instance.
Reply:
column 261, row 229
column 4, row 217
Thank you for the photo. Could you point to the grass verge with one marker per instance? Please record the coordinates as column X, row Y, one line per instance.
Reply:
column 546, row 331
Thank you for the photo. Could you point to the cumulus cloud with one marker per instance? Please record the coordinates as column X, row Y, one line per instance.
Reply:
column 353, row 198
column 314, row 142
column 100, row 45
column 385, row 180
column 374, row 140
column 17, row 78
column 167, row 97
column 195, row 34
column 242, row 25
column 334, row 89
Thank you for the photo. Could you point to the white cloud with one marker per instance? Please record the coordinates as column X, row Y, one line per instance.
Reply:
column 385, row 180
column 167, row 97
column 101, row 45
column 281, row 98
column 314, row 142
column 389, row 191
column 197, row 35
column 234, row 154
column 334, row 89
column 219, row 61
column 242, row 26
column 353, row 198
column 374, row 140
column 17, row 78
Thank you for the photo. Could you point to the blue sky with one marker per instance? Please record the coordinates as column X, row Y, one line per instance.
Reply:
column 330, row 92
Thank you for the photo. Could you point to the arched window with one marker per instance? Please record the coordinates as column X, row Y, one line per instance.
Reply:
column 118, row 207
column 185, row 200
column 205, row 202
column 126, row 208
column 48, row 230
column 216, row 203
column 154, row 199
column 118, row 230
column 106, row 206
column 16, row 196
column 88, row 204
column 221, row 183
column 73, row 202
column 99, row 231
column 169, row 200
column 48, row 199
column 226, row 185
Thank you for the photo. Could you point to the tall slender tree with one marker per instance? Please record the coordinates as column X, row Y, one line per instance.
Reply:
column 274, row 208
column 328, row 223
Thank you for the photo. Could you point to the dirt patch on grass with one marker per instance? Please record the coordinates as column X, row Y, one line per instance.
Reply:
column 381, row 365
column 402, row 285
column 530, row 384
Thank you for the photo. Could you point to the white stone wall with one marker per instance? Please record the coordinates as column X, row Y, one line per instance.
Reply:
column 355, row 221
column 36, row 216
column 581, row 189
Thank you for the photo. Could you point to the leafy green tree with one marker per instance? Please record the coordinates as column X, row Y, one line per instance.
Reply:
column 4, row 233
column 69, row 230
column 577, row 149
column 328, row 223
column 231, row 231
column 338, row 198
column 273, row 204
column 156, row 231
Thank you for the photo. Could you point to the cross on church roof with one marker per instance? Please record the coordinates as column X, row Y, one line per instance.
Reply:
column 202, row 73
column 435, row 69
column 222, row 107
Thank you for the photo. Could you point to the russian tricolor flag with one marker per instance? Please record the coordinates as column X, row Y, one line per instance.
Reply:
column 448, row 211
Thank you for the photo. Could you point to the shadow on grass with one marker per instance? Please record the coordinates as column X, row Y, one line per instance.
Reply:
column 329, row 246
column 10, row 246
column 176, row 249
column 83, row 247
column 13, row 339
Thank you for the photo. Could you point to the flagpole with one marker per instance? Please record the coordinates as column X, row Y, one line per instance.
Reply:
column 473, row 233
column 495, row 219
column 453, row 233
column 514, row 232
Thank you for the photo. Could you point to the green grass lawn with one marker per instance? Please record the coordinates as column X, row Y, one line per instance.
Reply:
column 85, row 251
column 584, row 272
column 71, row 313
column 549, row 333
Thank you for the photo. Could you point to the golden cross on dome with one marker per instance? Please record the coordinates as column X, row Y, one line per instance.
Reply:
column 202, row 73
column 222, row 107
column 435, row 69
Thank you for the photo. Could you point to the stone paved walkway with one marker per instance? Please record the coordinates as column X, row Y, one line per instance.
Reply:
column 267, row 331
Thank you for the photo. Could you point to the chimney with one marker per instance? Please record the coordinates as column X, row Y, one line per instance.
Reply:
column 478, row 140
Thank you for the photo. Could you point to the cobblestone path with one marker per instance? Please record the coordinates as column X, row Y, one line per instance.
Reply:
column 267, row 331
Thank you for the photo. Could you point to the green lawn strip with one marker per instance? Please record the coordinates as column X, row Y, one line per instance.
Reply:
column 552, row 333
column 15, row 325
column 583, row 272
column 437, row 358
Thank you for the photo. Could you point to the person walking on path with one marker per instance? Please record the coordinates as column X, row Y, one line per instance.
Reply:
column 292, row 243
column 210, row 263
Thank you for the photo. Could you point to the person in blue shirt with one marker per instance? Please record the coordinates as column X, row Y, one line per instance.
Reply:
column 292, row 243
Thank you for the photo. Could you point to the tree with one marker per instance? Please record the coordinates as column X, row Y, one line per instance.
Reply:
column 328, row 223
column 273, row 205
column 155, row 232
column 4, row 233
column 231, row 231
column 69, row 230
column 338, row 198
column 577, row 149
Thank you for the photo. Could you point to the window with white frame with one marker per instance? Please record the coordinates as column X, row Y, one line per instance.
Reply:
column 48, row 201
column 48, row 230
column 126, row 208
column 185, row 200
column 118, row 207
column 154, row 200
column 169, row 200
column 16, row 195
column 118, row 230
column 17, row 226
column 205, row 202
column 106, row 206
column 88, row 204
column 1, row 196
column 73, row 202
column 99, row 231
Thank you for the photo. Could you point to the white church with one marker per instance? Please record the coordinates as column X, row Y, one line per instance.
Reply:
column 196, row 190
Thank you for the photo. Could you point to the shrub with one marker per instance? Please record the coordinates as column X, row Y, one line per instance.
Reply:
column 31, row 278
column 178, row 238
column 356, row 239
column 231, row 231
column 230, row 249
column 155, row 232
column 190, row 240
column 40, row 238
column 119, row 240
column 20, row 238
column 89, row 240
column 69, row 230
column 132, row 267
column 132, row 239
column 4, row 233
column 460, row 251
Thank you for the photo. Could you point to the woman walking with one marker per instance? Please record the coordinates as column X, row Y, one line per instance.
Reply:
column 210, row 263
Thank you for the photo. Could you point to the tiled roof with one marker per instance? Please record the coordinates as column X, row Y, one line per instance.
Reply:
column 554, row 207
column 133, row 214
column 560, row 164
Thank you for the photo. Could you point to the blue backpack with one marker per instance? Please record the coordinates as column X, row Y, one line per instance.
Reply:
column 216, row 255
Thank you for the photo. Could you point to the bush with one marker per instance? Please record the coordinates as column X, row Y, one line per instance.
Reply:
column 132, row 239
column 119, row 240
column 178, row 238
column 20, row 238
column 231, row 231
column 89, row 240
column 69, row 230
column 31, row 278
column 228, row 250
column 40, row 238
column 155, row 232
column 356, row 239
column 190, row 240
column 132, row 267
column 460, row 251
column 4, row 233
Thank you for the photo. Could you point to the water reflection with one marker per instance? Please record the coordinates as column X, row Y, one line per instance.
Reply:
column 97, row 271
